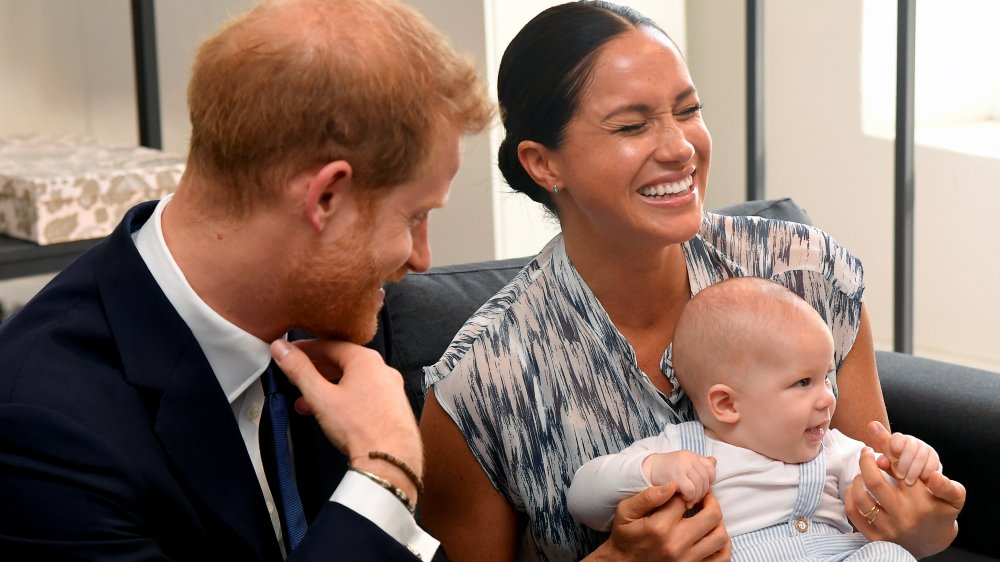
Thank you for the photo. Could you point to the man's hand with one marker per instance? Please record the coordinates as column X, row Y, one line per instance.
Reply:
column 365, row 411
column 693, row 473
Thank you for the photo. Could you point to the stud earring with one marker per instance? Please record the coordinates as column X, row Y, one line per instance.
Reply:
column 555, row 189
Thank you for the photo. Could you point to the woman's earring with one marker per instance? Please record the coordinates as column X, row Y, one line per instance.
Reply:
column 555, row 189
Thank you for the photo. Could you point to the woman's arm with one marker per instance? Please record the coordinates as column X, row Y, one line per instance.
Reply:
column 860, row 393
column 921, row 519
column 460, row 506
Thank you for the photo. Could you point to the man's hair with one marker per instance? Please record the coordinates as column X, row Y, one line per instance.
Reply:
column 298, row 83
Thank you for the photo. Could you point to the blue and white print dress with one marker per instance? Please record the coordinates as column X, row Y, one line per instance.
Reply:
column 540, row 381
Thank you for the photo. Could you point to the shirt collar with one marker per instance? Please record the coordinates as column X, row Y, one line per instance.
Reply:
column 236, row 356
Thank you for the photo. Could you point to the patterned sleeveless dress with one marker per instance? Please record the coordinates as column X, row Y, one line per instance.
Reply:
column 539, row 380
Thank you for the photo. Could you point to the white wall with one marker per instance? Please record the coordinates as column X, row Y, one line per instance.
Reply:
column 66, row 67
column 464, row 230
column 818, row 154
column 715, row 31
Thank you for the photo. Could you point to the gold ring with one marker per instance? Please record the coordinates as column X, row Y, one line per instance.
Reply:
column 871, row 520
column 868, row 513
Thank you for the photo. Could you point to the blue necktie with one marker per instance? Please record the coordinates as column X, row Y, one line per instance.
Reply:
column 291, row 504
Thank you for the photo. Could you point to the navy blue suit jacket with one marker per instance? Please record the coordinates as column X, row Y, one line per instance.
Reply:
column 117, row 442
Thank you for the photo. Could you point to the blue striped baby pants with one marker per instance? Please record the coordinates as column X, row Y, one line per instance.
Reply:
column 800, row 538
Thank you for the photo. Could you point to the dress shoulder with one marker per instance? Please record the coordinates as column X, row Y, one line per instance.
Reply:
column 803, row 258
column 492, row 318
column 770, row 248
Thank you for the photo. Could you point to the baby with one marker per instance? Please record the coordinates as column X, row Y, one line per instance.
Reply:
column 755, row 360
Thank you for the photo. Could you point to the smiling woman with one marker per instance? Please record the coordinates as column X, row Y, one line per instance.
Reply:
column 638, row 127
column 573, row 358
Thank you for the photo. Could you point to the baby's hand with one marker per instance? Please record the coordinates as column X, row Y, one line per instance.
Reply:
column 909, row 459
column 693, row 473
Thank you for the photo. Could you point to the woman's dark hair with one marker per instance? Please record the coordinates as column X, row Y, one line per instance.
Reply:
column 543, row 72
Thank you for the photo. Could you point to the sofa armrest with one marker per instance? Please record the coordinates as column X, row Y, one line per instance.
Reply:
column 956, row 410
column 424, row 311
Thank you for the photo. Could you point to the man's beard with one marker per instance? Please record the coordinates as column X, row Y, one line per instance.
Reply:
column 335, row 290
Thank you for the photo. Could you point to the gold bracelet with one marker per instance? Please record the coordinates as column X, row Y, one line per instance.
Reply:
column 400, row 494
column 410, row 473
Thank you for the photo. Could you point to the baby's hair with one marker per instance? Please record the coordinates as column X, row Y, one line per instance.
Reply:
column 727, row 325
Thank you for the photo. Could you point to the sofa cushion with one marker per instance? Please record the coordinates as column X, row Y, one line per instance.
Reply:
column 424, row 311
column 956, row 410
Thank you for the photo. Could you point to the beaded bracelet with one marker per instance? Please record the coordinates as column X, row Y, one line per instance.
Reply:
column 400, row 494
column 417, row 482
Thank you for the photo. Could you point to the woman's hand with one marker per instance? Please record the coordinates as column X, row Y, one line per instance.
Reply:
column 920, row 517
column 651, row 526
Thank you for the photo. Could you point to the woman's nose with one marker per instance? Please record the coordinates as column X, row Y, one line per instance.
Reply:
column 674, row 146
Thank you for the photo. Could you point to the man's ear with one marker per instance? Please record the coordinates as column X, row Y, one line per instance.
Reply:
column 538, row 161
column 722, row 403
column 321, row 193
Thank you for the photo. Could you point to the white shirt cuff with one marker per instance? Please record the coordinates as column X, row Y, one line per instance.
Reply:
column 381, row 507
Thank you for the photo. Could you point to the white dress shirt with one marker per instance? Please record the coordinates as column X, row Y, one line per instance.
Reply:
column 238, row 358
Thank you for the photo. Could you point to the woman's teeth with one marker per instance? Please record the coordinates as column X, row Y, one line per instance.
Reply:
column 667, row 188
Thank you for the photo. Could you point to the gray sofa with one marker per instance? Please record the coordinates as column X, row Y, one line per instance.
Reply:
column 956, row 409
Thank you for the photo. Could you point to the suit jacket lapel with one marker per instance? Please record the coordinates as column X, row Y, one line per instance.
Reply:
column 194, row 420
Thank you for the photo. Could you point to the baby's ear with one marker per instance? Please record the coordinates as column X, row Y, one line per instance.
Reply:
column 722, row 403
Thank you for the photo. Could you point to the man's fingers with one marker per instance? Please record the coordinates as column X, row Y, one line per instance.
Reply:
column 329, row 356
column 302, row 406
column 292, row 361
column 297, row 367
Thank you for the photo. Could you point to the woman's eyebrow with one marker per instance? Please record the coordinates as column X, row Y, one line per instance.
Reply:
column 644, row 108
column 641, row 108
